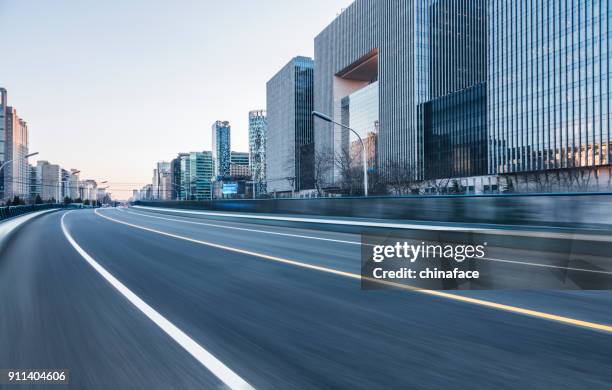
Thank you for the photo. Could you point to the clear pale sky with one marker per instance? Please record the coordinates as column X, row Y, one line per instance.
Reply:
column 110, row 87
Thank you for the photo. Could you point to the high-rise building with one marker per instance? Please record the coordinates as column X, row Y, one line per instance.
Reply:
column 197, row 173
column 3, row 114
column 290, row 137
column 221, row 148
column 64, row 184
column 258, row 125
column 161, row 183
column 33, row 179
column 548, row 85
column 373, row 48
column 16, row 148
column 50, row 183
column 176, row 191
column 73, row 184
column 453, row 122
column 239, row 166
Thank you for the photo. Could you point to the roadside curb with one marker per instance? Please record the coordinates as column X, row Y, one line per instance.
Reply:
column 11, row 225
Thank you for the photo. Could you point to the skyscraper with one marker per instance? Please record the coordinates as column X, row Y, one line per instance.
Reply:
column 375, row 48
column 3, row 107
column 16, row 148
column 258, row 125
column 176, row 191
column 221, row 148
column 197, row 172
column 290, row 137
column 549, row 85
column 50, row 183
column 161, row 187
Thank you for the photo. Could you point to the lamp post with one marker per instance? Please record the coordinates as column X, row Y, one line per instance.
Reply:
column 363, row 150
column 17, row 159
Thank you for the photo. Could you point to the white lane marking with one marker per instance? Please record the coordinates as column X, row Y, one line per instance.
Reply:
column 248, row 230
column 441, row 294
column 388, row 225
column 359, row 243
column 215, row 366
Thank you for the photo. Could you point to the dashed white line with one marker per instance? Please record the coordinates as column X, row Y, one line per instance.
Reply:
column 214, row 365
column 359, row 243
column 390, row 225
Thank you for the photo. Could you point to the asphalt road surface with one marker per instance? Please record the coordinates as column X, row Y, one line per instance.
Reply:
column 132, row 299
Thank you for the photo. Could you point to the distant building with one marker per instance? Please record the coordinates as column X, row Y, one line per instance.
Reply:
column 221, row 148
column 16, row 148
column 33, row 179
column 175, row 181
column 73, row 184
column 50, row 184
column 289, row 137
column 196, row 176
column 258, row 125
column 64, row 184
column 239, row 166
column 161, row 183
column 3, row 126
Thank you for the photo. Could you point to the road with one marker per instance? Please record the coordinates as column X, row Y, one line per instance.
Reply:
column 132, row 299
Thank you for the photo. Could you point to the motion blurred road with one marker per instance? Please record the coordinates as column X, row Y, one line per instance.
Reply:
column 274, row 305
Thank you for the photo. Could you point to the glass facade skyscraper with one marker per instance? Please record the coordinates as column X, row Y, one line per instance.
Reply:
column 196, row 175
column 290, row 138
column 258, row 127
column 549, row 84
column 455, row 134
column 221, row 148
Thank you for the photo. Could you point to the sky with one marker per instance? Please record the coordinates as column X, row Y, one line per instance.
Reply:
column 111, row 87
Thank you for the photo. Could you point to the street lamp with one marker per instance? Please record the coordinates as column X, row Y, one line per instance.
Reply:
column 363, row 150
column 18, row 158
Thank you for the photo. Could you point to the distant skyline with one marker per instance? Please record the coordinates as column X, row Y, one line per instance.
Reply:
column 110, row 88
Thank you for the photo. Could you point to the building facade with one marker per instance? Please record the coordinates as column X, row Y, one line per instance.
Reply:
column 3, row 108
column 239, row 166
column 50, row 184
column 258, row 126
column 378, row 62
column 221, row 148
column 549, row 85
column 197, row 173
column 16, row 173
column 290, row 101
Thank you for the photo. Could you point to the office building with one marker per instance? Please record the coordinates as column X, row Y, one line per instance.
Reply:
column 16, row 148
column 3, row 126
column 221, row 148
column 73, row 184
column 548, row 85
column 176, row 191
column 258, row 125
column 161, row 187
column 239, row 166
column 375, row 50
column 50, row 183
column 290, row 136
column 197, row 173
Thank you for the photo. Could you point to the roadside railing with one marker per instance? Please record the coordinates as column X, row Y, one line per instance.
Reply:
column 13, row 211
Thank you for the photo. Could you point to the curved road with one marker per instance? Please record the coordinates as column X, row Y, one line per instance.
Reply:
column 234, row 313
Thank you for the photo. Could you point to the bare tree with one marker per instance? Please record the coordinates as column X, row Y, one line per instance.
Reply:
column 324, row 164
column 401, row 179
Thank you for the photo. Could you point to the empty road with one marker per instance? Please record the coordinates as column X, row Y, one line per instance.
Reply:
column 135, row 299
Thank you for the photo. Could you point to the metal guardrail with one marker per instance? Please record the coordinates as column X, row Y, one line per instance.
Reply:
column 13, row 211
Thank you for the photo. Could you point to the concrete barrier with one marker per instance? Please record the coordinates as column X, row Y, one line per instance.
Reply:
column 588, row 210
